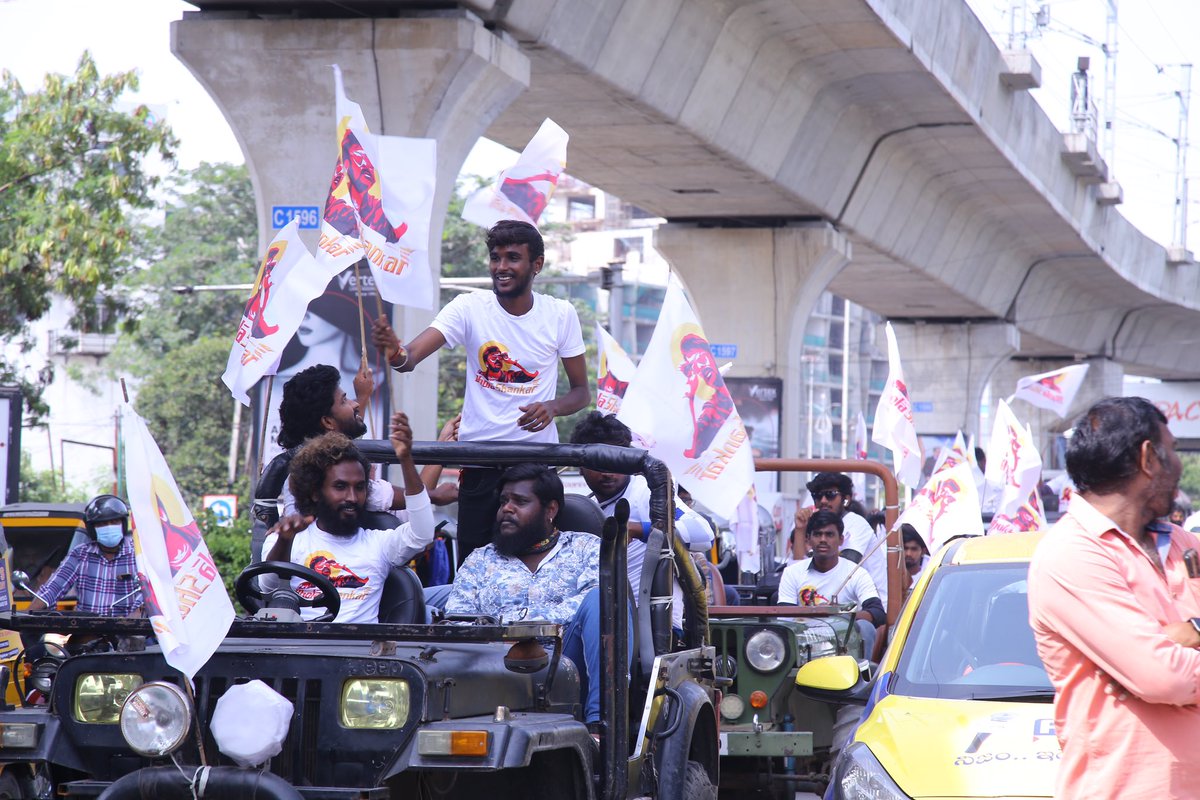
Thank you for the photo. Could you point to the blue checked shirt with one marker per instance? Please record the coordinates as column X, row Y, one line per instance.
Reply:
column 502, row 586
column 106, row 588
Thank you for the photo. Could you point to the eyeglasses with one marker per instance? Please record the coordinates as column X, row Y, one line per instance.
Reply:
column 828, row 494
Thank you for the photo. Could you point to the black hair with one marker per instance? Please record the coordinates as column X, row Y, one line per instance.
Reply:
column 307, row 397
column 599, row 428
column 1105, row 448
column 547, row 485
column 831, row 480
column 511, row 231
column 821, row 519
column 980, row 458
column 306, row 473
column 910, row 535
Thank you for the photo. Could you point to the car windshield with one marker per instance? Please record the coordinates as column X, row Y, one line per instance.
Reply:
column 971, row 638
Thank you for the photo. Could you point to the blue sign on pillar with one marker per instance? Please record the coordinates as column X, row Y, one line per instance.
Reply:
column 724, row 350
column 310, row 216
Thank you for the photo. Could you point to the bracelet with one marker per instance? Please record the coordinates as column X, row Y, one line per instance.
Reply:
column 404, row 350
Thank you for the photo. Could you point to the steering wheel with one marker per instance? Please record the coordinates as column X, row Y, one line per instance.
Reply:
column 252, row 598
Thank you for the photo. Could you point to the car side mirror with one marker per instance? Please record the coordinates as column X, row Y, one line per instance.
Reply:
column 833, row 679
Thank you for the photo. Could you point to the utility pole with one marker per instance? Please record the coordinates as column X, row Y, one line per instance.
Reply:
column 1181, row 147
column 1110, row 85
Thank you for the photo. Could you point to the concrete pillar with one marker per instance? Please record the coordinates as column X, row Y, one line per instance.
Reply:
column 755, row 287
column 1105, row 378
column 441, row 76
column 947, row 367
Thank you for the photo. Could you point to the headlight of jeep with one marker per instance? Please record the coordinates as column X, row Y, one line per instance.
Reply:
column 376, row 703
column 765, row 651
column 99, row 695
column 156, row 718
column 858, row 774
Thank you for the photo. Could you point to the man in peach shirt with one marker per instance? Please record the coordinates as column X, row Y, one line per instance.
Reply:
column 1114, row 609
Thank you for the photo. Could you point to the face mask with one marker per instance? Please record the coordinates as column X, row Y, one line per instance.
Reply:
column 110, row 535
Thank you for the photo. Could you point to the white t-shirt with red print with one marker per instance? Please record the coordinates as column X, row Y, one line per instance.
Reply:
column 512, row 361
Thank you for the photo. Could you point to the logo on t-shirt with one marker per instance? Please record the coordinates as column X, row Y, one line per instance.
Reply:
column 500, row 371
column 343, row 577
column 811, row 596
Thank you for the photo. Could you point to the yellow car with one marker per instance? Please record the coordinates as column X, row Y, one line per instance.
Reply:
column 961, row 706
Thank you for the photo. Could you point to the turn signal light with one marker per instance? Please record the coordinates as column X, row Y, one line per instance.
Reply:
column 452, row 743
column 758, row 699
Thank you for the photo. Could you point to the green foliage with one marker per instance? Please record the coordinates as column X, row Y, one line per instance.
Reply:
column 209, row 236
column 1189, row 481
column 43, row 486
column 229, row 546
column 72, row 174
column 190, row 413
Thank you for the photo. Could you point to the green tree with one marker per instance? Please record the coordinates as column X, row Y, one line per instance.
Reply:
column 1189, row 481
column 464, row 255
column 209, row 235
column 190, row 413
column 229, row 547
column 42, row 486
column 73, row 172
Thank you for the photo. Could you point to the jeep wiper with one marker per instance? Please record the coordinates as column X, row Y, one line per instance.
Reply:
column 1020, row 695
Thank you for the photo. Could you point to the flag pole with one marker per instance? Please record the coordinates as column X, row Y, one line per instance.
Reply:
column 362, row 335
column 387, row 373
column 266, row 418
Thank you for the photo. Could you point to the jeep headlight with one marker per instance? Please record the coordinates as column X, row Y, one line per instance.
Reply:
column 99, row 695
column 375, row 703
column 156, row 718
column 765, row 651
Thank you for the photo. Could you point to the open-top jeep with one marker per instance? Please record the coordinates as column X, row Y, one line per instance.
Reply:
column 776, row 739
column 398, row 708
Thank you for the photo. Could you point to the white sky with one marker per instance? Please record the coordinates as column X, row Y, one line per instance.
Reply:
column 134, row 34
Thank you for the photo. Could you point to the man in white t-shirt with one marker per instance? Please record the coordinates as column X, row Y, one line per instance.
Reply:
column 609, row 487
column 833, row 491
column 329, row 480
column 514, row 339
column 826, row 578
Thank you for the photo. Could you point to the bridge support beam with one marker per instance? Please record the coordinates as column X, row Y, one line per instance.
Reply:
column 771, row 276
column 440, row 76
column 1105, row 378
column 947, row 367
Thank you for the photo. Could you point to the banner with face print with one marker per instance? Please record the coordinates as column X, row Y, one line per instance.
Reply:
column 523, row 190
column 614, row 371
column 679, row 404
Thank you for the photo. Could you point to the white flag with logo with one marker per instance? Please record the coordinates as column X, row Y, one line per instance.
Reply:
column 289, row 278
column 614, row 372
column 1053, row 391
column 955, row 453
column 894, row 427
column 186, row 601
column 523, row 191
column 946, row 506
column 1014, row 468
column 679, row 404
column 380, row 206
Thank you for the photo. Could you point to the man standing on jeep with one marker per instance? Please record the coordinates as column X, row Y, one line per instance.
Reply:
column 329, row 480
column 533, row 571
column 833, row 491
column 514, row 339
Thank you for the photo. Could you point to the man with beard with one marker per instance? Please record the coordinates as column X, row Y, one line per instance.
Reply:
column 512, row 325
column 533, row 571
column 1115, row 612
column 329, row 481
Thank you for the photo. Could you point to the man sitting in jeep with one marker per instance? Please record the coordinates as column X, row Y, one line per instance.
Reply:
column 329, row 480
column 533, row 571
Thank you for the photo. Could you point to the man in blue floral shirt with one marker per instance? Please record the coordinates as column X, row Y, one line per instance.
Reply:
column 533, row 571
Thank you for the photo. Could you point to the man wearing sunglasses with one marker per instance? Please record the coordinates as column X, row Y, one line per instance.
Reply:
column 833, row 491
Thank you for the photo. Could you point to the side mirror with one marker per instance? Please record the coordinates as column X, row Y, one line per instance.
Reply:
column 833, row 679
column 21, row 580
column 526, row 656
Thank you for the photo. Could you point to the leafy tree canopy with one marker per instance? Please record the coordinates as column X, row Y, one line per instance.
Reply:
column 74, row 168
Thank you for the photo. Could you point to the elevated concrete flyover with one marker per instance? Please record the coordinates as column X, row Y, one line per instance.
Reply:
column 866, row 146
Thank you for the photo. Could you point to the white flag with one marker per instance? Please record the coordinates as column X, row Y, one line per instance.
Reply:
column 289, row 278
column 523, row 190
column 185, row 598
column 613, row 373
column 379, row 206
column 1014, row 468
column 1053, row 391
column 859, row 479
column 956, row 453
column 679, row 404
column 946, row 506
column 894, row 427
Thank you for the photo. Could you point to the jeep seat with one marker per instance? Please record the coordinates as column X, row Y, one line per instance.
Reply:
column 580, row 513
